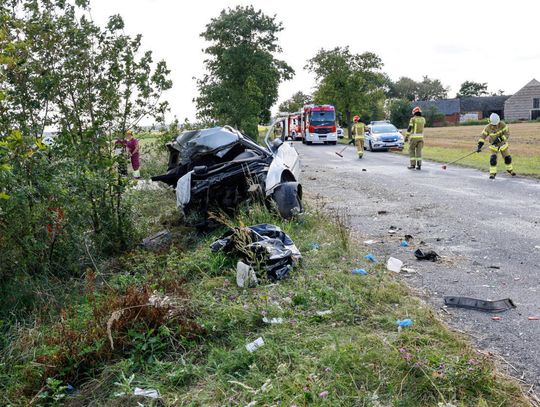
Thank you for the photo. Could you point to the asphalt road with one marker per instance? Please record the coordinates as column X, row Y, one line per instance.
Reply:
column 486, row 231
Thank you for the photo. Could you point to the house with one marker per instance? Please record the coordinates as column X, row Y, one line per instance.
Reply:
column 525, row 104
column 450, row 108
column 480, row 107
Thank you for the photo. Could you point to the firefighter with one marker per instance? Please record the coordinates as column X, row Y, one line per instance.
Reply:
column 415, row 132
column 358, row 130
column 497, row 132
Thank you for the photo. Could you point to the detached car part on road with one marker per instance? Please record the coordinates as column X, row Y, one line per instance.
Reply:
column 218, row 168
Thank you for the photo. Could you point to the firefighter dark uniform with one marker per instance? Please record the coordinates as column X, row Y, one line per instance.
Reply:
column 497, row 135
column 415, row 133
column 358, row 131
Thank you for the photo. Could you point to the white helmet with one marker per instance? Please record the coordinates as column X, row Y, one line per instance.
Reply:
column 494, row 119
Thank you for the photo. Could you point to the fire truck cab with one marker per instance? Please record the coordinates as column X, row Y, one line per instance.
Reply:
column 319, row 124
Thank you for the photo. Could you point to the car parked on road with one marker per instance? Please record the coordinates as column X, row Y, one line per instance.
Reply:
column 339, row 132
column 382, row 136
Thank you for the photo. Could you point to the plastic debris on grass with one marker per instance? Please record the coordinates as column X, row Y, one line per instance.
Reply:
column 323, row 313
column 362, row 272
column 150, row 393
column 404, row 323
column 245, row 275
column 370, row 257
column 256, row 344
column 263, row 244
column 404, row 243
column 273, row 321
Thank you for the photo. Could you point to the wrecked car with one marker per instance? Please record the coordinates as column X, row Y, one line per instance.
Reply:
column 219, row 167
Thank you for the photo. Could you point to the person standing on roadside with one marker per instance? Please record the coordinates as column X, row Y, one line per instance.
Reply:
column 132, row 145
column 415, row 132
column 358, row 131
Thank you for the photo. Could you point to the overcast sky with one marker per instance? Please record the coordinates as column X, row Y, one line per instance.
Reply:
column 485, row 41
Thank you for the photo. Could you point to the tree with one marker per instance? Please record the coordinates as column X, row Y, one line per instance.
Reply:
column 404, row 88
column 296, row 102
column 90, row 84
column 243, row 75
column 431, row 89
column 400, row 112
column 427, row 89
column 351, row 82
column 470, row 88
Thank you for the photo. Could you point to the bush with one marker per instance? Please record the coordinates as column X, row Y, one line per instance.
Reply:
column 475, row 122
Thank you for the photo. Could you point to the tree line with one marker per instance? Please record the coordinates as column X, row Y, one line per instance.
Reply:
column 243, row 76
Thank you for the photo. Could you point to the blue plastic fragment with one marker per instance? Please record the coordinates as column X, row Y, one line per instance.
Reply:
column 404, row 322
column 404, row 244
column 314, row 246
column 360, row 271
column 370, row 257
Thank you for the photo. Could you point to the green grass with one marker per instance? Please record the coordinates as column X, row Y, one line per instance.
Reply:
column 523, row 165
column 355, row 353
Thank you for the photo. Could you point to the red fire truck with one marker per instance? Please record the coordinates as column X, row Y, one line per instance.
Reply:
column 319, row 124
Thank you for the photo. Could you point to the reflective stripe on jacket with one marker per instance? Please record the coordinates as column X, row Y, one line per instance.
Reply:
column 359, row 130
column 416, row 127
column 500, row 130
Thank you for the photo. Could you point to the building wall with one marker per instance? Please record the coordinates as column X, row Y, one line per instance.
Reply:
column 519, row 106
column 452, row 118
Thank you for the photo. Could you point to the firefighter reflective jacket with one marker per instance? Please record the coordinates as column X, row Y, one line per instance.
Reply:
column 497, row 134
column 359, row 130
column 416, row 127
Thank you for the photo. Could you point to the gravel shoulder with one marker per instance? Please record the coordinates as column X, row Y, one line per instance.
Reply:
column 488, row 233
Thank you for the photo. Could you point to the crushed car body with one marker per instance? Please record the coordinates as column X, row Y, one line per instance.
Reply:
column 219, row 167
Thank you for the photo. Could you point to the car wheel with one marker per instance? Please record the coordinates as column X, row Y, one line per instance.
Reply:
column 309, row 142
column 333, row 143
column 303, row 140
column 370, row 146
column 288, row 199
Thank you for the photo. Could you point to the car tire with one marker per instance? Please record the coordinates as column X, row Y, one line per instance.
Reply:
column 309, row 142
column 370, row 146
column 303, row 140
column 288, row 199
column 332, row 143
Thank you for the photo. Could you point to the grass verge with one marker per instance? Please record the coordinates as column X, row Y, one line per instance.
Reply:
column 338, row 343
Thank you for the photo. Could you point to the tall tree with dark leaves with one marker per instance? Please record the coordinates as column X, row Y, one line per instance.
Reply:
column 243, row 75
column 351, row 82
column 296, row 102
column 471, row 88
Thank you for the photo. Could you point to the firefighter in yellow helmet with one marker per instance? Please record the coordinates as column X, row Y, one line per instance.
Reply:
column 415, row 133
column 497, row 132
column 358, row 131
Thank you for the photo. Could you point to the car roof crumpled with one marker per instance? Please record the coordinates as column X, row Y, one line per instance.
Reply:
column 216, row 140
